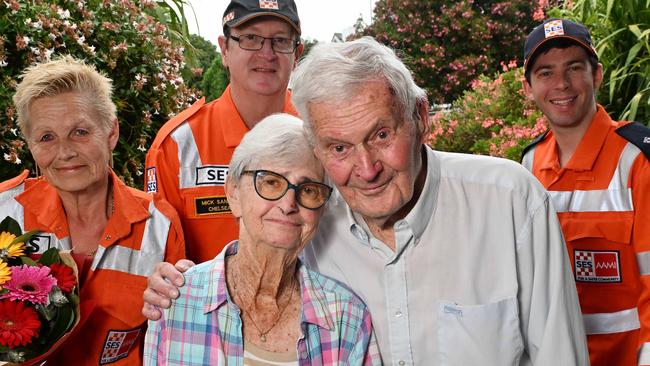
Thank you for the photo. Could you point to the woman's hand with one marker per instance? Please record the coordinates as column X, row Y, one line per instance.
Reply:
column 163, row 286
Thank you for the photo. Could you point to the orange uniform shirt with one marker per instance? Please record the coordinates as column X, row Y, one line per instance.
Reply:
column 187, row 165
column 602, row 197
column 140, row 233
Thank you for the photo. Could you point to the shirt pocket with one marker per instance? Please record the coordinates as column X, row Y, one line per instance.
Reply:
column 484, row 334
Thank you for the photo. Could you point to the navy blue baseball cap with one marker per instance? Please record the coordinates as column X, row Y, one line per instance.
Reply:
column 239, row 12
column 557, row 28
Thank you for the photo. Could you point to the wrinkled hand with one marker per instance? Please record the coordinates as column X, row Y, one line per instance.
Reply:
column 163, row 286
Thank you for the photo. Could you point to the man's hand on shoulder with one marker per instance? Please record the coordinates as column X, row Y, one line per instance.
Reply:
column 163, row 286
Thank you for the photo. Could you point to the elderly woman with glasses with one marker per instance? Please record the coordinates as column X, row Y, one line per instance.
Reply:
column 256, row 303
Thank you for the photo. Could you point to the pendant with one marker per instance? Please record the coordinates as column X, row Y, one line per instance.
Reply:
column 263, row 337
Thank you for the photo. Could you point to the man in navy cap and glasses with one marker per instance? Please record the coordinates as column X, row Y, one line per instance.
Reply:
column 188, row 161
column 598, row 174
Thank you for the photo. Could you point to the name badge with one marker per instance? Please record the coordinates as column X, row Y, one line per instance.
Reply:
column 211, row 205
column 214, row 175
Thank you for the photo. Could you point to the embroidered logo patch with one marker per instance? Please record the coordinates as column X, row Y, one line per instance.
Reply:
column 597, row 266
column 152, row 182
column 214, row 175
column 269, row 4
column 230, row 16
column 553, row 28
column 118, row 344
column 211, row 205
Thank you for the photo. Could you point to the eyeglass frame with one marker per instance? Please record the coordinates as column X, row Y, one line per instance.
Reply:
column 290, row 185
column 296, row 42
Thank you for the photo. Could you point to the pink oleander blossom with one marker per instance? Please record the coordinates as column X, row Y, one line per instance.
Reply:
column 29, row 283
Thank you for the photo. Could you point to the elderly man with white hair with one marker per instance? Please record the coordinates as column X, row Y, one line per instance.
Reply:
column 459, row 258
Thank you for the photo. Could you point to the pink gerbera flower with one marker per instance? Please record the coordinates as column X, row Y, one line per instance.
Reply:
column 29, row 283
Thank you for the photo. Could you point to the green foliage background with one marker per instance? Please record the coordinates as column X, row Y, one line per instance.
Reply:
column 123, row 40
column 449, row 43
column 621, row 31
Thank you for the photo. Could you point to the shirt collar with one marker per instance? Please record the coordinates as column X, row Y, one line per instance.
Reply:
column 592, row 142
column 235, row 127
column 42, row 200
column 314, row 296
column 420, row 214
column 588, row 149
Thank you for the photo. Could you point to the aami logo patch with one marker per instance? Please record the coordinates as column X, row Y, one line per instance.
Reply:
column 118, row 344
column 597, row 266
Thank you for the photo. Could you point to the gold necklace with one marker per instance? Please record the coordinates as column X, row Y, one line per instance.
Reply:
column 247, row 312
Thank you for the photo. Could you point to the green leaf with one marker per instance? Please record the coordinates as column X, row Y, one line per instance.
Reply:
column 25, row 237
column 634, row 28
column 63, row 321
column 634, row 105
column 633, row 53
column 28, row 261
column 11, row 226
column 50, row 257
column 610, row 3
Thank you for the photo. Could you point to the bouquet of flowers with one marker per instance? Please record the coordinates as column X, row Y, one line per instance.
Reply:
column 39, row 301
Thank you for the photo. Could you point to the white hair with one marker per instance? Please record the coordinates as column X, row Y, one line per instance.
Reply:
column 334, row 72
column 279, row 138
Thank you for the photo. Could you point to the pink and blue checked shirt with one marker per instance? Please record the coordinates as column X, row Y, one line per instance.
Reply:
column 203, row 326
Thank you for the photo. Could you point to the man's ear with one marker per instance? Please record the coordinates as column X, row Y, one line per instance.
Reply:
column 223, row 45
column 423, row 120
column 298, row 53
column 528, row 90
column 232, row 194
column 598, row 76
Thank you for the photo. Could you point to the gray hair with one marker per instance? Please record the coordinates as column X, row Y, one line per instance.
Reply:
column 334, row 72
column 62, row 75
column 279, row 138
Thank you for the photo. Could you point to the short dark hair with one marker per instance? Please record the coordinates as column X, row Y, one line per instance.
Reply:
column 561, row 43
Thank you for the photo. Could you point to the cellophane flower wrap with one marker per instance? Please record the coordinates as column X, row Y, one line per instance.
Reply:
column 39, row 298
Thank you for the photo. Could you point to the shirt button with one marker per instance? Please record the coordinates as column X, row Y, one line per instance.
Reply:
column 398, row 314
column 107, row 237
column 401, row 363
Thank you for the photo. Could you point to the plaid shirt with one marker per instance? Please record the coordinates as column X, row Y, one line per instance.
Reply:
column 203, row 326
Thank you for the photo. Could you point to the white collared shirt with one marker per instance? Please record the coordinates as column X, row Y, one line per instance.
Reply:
column 480, row 274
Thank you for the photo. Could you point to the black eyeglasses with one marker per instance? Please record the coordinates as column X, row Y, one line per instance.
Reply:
column 273, row 186
column 253, row 42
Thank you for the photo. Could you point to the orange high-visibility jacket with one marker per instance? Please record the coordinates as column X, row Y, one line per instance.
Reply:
column 140, row 233
column 602, row 197
column 187, row 165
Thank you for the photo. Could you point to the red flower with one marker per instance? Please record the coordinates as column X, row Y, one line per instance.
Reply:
column 18, row 323
column 64, row 275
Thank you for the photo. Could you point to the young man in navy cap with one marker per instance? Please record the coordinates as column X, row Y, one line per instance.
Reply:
column 188, row 161
column 598, row 173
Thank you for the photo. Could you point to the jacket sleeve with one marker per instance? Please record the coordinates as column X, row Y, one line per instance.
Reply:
column 640, row 183
column 550, row 315
column 175, row 247
column 162, row 172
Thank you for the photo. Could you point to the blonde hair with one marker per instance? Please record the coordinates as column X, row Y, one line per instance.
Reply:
column 62, row 75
